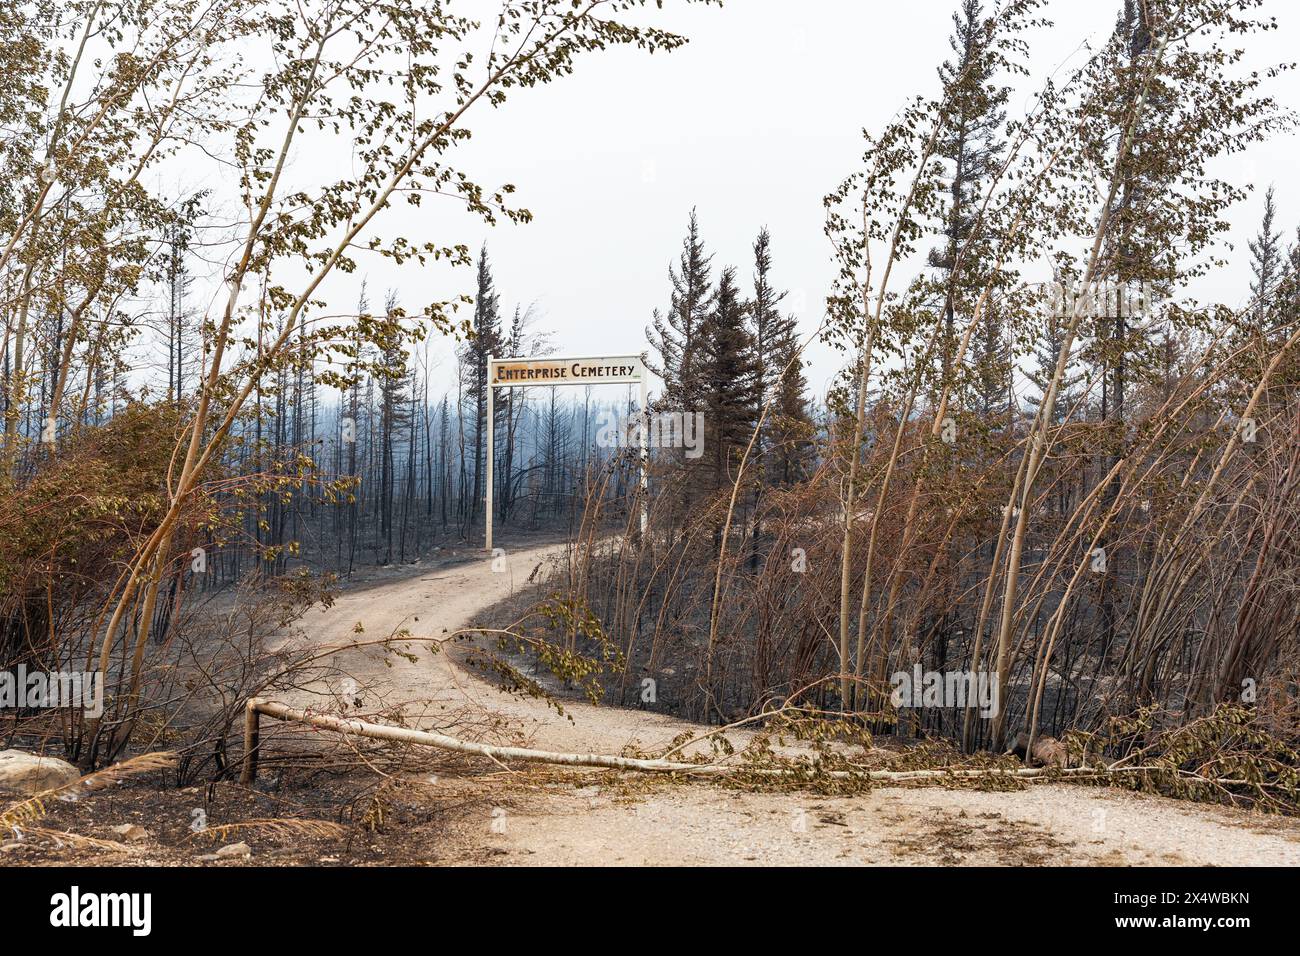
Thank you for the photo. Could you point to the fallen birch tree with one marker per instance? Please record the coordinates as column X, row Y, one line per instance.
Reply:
column 256, row 708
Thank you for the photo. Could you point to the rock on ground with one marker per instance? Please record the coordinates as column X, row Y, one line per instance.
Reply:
column 131, row 832
column 29, row 774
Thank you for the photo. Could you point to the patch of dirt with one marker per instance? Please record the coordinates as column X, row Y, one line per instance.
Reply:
column 404, row 822
column 667, row 823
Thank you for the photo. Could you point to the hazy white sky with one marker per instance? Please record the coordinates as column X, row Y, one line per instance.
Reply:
column 751, row 123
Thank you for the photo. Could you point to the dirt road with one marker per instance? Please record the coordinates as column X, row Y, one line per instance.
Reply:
column 606, row 820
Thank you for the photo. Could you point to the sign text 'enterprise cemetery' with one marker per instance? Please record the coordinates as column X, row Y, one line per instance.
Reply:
column 592, row 371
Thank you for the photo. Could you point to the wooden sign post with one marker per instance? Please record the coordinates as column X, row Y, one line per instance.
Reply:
column 559, row 370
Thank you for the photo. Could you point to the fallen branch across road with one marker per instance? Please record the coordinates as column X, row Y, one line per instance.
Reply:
column 256, row 708
column 360, row 728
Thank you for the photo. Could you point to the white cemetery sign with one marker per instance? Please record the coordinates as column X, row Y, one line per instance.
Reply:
column 563, row 370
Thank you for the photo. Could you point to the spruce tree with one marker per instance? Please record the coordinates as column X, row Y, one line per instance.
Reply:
column 675, row 336
column 974, row 149
column 768, row 324
column 1047, row 352
column 784, row 441
column 1138, row 254
column 990, row 367
column 393, row 379
column 486, row 342
column 508, row 409
column 791, row 429
column 1291, row 298
column 1267, row 263
column 728, row 372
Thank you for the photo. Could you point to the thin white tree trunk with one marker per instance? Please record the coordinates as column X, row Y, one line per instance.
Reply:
column 361, row 728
